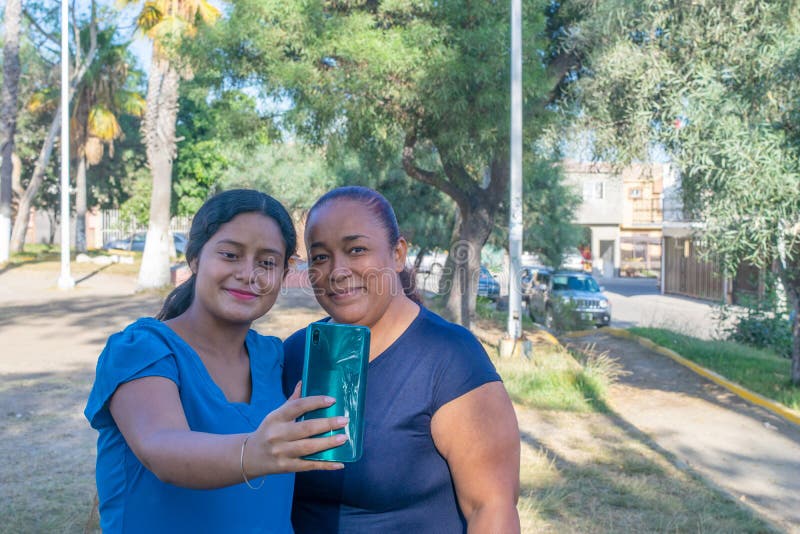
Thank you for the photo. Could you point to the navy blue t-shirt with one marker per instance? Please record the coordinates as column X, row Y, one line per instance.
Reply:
column 401, row 483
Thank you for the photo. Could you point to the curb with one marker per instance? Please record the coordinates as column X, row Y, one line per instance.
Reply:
column 750, row 396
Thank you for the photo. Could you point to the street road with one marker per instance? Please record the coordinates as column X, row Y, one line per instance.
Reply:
column 638, row 302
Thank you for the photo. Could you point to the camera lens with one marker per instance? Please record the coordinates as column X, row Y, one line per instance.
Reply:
column 315, row 337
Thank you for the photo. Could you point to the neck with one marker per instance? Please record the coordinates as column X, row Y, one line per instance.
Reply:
column 208, row 335
column 393, row 323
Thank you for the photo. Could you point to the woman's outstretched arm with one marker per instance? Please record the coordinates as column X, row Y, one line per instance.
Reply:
column 149, row 414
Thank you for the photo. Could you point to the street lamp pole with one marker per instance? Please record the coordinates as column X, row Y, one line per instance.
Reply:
column 65, row 280
column 515, row 212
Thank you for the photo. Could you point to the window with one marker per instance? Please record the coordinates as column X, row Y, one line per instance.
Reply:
column 593, row 190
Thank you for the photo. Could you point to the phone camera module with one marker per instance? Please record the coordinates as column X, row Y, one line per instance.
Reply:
column 315, row 337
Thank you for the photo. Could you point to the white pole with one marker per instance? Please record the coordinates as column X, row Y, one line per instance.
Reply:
column 515, row 215
column 65, row 280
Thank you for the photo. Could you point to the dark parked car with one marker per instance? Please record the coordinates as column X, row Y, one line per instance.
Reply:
column 488, row 286
column 570, row 296
column 136, row 241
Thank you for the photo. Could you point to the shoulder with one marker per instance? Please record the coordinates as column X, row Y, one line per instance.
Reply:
column 267, row 351
column 146, row 339
column 126, row 355
column 295, row 344
column 455, row 359
column 436, row 331
column 261, row 342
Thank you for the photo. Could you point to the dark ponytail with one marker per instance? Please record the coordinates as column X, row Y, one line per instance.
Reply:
column 178, row 301
column 379, row 206
column 409, row 281
column 216, row 211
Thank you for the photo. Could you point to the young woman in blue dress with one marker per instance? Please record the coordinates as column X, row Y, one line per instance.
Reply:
column 195, row 432
column 441, row 442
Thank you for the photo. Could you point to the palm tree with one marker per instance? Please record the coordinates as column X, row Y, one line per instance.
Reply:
column 101, row 97
column 166, row 23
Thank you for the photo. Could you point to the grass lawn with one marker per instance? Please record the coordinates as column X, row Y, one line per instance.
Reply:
column 760, row 371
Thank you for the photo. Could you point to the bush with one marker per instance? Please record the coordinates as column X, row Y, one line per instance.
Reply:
column 763, row 329
column 765, row 323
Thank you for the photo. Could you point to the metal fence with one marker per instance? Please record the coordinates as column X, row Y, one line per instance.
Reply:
column 113, row 225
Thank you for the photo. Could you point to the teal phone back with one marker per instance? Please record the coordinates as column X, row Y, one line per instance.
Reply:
column 336, row 360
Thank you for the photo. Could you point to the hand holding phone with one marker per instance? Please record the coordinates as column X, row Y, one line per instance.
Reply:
column 336, row 359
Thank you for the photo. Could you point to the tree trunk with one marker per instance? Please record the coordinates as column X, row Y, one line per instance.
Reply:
column 8, row 118
column 790, row 276
column 477, row 206
column 52, row 216
column 158, row 129
column 26, row 200
column 80, row 205
column 418, row 259
column 473, row 232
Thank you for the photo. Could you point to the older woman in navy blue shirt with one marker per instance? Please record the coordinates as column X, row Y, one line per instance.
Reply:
column 441, row 443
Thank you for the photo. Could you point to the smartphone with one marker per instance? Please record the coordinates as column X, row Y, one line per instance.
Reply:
column 336, row 359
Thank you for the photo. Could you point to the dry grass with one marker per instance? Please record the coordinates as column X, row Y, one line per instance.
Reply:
column 49, row 486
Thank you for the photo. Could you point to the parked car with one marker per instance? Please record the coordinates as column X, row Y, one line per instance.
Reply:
column 135, row 242
column 573, row 297
column 488, row 286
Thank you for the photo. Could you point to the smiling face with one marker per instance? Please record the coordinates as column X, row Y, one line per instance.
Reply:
column 352, row 267
column 240, row 269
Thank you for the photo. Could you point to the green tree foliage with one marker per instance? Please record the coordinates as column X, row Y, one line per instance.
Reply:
column 214, row 129
column 293, row 173
column 718, row 84
column 427, row 76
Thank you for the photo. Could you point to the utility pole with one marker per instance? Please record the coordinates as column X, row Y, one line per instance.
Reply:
column 513, row 339
column 65, row 280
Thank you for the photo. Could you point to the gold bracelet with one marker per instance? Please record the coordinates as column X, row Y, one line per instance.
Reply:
column 241, row 463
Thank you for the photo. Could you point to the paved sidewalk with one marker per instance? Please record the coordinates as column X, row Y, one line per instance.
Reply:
column 743, row 449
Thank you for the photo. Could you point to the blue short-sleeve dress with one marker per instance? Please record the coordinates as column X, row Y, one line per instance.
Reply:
column 131, row 498
column 401, row 484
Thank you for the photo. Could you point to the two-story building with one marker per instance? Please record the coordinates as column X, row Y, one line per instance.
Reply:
column 621, row 210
